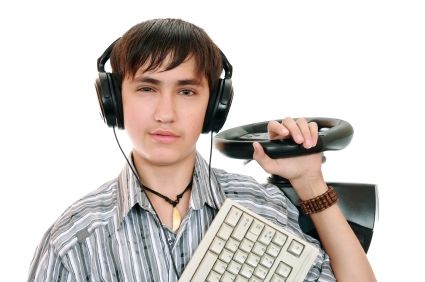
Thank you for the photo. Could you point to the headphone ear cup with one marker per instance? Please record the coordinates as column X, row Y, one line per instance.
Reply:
column 218, row 106
column 108, row 88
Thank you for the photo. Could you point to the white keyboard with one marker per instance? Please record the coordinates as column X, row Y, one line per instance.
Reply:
column 243, row 246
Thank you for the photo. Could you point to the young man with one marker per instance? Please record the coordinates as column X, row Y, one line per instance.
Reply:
column 165, row 74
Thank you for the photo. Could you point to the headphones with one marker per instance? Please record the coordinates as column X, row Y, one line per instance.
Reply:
column 108, row 88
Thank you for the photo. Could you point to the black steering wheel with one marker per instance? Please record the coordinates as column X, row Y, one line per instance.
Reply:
column 334, row 134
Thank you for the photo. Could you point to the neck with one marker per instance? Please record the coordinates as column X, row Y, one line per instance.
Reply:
column 168, row 180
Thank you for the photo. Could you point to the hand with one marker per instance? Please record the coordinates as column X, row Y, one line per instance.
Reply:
column 298, row 170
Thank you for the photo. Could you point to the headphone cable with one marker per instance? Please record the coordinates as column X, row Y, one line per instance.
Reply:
column 156, row 214
column 209, row 171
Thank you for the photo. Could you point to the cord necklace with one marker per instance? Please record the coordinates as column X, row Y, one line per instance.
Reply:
column 176, row 214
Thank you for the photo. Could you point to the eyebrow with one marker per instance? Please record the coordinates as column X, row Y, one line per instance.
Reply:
column 158, row 82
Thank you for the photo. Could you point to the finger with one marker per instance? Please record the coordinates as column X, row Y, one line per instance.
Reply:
column 314, row 131
column 305, row 131
column 294, row 130
column 276, row 130
column 261, row 157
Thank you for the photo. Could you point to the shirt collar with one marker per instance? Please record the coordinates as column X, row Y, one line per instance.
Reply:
column 206, row 189
column 130, row 194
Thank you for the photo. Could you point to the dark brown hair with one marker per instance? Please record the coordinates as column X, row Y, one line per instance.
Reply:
column 152, row 41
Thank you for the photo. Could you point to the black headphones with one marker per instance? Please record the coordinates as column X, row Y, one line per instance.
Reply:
column 108, row 88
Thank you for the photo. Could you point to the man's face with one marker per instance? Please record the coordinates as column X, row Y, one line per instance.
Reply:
column 164, row 112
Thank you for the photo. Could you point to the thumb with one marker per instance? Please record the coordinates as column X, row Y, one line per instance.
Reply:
column 261, row 157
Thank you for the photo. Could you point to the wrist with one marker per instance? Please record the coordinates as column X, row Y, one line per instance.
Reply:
column 319, row 203
column 309, row 187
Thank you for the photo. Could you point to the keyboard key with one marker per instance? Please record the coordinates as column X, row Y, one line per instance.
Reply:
column 242, row 227
column 246, row 271
column 233, row 216
column 251, row 236
column 225, row 231
column 283, row 269
column 226, row 256
column 277, row 278
column 273, row 250
column 232, row 245
column 255, row 279
column 240, row 278
column 220, row 266
column 228, row 277
column 259, row 249
column 267, row 235
column 204, row 267
column 296, row 248
column 280, row 239
column 217, row 245
column 234, row 267
column 246, row 245
column 213, row 277
column 240, row 256
column 256, row 227
column 253, row 260
column 267, row 261
column 261, row 271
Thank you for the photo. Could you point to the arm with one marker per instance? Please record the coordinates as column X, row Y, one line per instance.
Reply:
column 348, row 260
column 46, row 264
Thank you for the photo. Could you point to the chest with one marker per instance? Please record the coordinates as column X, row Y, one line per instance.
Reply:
column 139, row 250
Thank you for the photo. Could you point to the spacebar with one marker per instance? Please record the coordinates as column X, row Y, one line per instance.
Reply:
column 205, row 267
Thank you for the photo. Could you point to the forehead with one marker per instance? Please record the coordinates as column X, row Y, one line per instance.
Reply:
column 187, row 69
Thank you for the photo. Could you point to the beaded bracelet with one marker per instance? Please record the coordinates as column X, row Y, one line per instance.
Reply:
column 319, row 203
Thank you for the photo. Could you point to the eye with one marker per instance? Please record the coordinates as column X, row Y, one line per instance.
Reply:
column 186, row 92
column 145, row 89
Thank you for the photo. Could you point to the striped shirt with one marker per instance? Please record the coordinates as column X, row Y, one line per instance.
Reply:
column 112, row 234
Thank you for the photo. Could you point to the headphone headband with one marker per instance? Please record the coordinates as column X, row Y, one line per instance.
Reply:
column 228, row 69
column 101, row 61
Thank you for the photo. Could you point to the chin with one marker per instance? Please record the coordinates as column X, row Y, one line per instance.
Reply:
column 164, row 157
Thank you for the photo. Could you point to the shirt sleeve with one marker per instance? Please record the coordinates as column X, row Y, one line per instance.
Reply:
column 47, row 264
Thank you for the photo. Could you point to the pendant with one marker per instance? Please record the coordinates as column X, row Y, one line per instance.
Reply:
column 176, row 219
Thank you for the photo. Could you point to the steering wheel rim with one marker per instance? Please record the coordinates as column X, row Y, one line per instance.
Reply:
column 334, row 134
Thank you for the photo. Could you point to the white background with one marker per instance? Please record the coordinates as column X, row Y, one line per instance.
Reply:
column 361, row 61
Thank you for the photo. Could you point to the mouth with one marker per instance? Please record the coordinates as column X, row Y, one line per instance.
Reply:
column 163, row 136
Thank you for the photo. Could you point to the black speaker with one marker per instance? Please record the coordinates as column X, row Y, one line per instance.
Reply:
column 108, row 88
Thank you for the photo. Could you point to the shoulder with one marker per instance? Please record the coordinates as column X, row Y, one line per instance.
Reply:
column 96, row 209
column 236, row 185
column 265, row 199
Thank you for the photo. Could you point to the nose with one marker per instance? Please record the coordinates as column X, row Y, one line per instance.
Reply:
column 165, row 108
